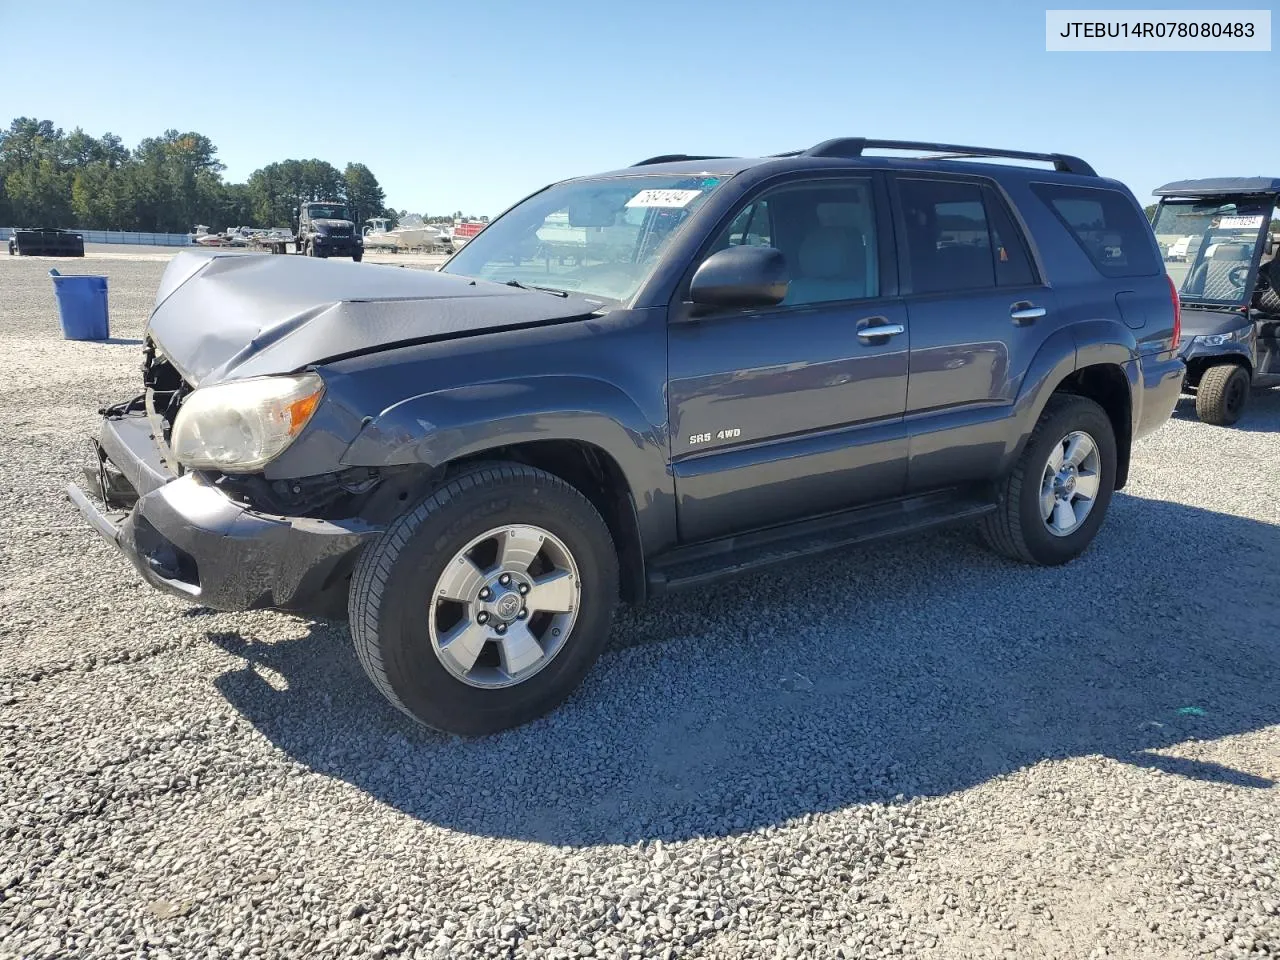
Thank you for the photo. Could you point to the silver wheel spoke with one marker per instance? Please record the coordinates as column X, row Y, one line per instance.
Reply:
column 519, row 649
column 1055, row 458
column 1064, row 518
column 1087, row 485
column 460, row 581
column 1047, row 499
column 553, row 593
column 464, row 643
column 1078, row 447
column 518, row 547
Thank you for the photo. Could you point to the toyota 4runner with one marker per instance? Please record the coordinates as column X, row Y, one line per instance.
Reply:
column 636, row 382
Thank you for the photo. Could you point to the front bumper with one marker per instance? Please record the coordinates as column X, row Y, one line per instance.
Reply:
column 188, row 538
column 1233, row 351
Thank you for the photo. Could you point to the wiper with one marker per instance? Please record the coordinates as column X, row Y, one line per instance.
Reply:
column 551, row 290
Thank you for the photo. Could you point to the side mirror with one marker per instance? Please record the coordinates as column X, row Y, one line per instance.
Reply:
column 741, row 276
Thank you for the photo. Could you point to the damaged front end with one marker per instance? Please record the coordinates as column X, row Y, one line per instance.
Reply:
column 227, row 541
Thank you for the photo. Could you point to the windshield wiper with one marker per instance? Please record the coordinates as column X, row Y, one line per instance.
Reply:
column 551, row 290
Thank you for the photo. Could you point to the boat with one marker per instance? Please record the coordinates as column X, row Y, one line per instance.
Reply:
column 412, row 233
column 377, row 236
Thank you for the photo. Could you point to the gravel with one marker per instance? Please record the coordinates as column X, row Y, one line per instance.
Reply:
column 915, row 750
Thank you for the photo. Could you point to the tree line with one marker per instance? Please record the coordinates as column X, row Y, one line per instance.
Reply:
column 166, row 184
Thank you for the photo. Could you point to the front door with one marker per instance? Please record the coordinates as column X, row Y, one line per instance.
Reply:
column 794, row 410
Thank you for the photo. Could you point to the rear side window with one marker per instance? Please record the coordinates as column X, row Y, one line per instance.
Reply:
column 959, row 237
column 1107, row 225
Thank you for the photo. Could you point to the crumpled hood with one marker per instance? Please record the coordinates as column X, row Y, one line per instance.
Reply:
column 225, row 316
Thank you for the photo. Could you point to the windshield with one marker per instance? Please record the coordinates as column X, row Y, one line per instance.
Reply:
column 599, row 237
column 1208, row 246
column 327, row 211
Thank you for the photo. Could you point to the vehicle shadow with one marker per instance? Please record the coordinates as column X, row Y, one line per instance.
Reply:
column 917, row 668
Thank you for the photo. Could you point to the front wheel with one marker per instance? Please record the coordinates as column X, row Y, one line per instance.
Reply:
column 1054, row 500
column 485, row 605
column 358, row 256
column 1223, row 394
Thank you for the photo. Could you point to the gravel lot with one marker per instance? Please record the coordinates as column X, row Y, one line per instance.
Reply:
column 918, row 751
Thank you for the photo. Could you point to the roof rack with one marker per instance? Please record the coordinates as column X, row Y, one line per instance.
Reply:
column 672, row 158
column 854, row 147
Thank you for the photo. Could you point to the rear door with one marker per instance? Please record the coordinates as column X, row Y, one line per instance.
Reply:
column 794, row 410
column 978, row 312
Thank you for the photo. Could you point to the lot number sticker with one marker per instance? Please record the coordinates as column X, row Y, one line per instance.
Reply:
column 1241, row 223
column 664, row 198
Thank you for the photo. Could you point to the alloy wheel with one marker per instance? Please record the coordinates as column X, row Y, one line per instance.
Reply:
column 504, row 606
column 1069, row 484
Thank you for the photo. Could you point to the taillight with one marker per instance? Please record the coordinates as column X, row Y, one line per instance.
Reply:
column 1177, row 313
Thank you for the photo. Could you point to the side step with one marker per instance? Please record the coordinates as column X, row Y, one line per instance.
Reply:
column 701, row 563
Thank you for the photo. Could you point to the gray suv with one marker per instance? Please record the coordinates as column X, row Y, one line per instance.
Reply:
column 635, row 382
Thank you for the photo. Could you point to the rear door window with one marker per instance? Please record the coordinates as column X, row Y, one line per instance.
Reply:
column 960, row 237
column 1108, row 227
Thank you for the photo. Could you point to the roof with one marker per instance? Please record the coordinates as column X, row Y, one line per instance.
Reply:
column 1219, row 187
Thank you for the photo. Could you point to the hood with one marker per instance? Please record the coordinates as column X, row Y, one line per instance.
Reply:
column 223, row 317
column 328, row 222
column 1205, row 323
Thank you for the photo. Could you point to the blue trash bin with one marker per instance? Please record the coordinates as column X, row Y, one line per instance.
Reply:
column 82, row 306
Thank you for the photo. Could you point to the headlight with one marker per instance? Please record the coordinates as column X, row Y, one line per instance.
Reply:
column 238, row 427
column 1218, row 339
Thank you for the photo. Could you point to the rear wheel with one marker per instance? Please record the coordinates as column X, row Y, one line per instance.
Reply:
column 485, row 605
column 1223, row 394
column 1055, row 499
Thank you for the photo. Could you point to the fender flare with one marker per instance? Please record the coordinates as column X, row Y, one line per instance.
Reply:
column 435, row 428
column 1066, row 351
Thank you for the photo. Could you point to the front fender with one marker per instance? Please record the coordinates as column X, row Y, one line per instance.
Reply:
column 445, row 425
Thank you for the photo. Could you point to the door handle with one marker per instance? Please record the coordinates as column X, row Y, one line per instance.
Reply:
column 868, row 334
column 1024, row 314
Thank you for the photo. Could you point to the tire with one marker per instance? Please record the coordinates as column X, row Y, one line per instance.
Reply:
column 1223, row 394
column 357, row 256
column 1018, row 529
column 393, row 604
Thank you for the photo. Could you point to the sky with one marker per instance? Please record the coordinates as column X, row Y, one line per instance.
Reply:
column 474, row 105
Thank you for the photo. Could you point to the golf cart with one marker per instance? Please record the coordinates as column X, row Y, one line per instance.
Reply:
column 1219, row 253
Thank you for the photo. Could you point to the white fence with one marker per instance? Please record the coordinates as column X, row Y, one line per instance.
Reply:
column 123, row 236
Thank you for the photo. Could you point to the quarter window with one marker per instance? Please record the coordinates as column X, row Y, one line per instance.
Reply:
column 1108, row 226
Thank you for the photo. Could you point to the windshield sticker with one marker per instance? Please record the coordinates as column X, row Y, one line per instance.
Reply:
column 676, row 199
column 1241, row 223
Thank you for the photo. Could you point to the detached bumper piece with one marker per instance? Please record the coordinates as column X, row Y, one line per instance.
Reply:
column 188, row 538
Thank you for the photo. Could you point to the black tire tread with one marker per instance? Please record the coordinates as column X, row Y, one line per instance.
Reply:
column 1002, row 529
column 1211, row 396
column 369, row 579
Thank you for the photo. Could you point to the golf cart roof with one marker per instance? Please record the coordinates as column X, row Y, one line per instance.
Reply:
column 1219, row 187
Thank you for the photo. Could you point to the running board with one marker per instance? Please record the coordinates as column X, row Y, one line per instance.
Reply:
column 702, row 563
